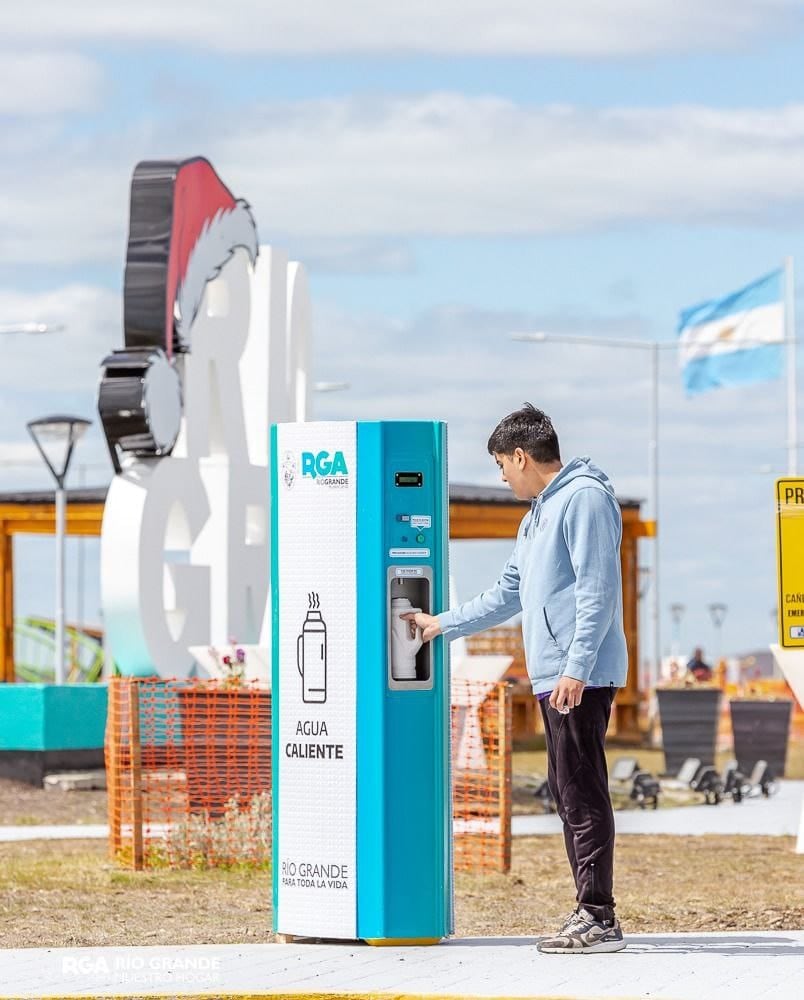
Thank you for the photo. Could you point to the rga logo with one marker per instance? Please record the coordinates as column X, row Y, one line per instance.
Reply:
column 324, row 470
column 84, row 965
column 289, row 470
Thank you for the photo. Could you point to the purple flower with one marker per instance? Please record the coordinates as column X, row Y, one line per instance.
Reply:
column 241, row 655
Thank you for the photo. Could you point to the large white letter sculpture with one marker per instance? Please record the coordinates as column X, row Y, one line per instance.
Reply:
column 185, row 555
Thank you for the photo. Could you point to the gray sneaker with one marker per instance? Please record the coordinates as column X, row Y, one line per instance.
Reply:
column 583, row 935
column 570, row 919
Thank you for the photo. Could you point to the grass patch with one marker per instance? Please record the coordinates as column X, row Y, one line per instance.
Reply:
column 662, row 884
column 69, row 893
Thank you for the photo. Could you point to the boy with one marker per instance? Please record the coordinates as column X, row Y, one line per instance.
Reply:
column 564, row 576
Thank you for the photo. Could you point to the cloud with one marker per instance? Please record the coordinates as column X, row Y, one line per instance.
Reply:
column 54, row 373
column 69, row 359
column 458, row 364
column 19, row 455
column 546, row 27
column 360, row 174
column 355, row 256
column 456, row 165
column 47, row 82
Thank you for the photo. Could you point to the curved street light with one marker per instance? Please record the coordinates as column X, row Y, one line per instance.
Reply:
column 330, row 386
column 717, row 612
column 55, row 437
column 34, row 328
column 677, row 613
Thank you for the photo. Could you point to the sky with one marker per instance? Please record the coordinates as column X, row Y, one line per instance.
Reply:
column 448, row 173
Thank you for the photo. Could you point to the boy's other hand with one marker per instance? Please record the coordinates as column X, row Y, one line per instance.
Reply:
column 427, row 623
column 567, row 694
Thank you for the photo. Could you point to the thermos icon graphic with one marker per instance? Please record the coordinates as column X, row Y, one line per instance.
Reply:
column 311, row 654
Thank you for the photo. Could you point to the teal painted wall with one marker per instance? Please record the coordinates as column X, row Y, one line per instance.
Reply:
column 51, row 717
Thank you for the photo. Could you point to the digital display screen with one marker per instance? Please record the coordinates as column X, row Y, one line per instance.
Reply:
column 408, row 479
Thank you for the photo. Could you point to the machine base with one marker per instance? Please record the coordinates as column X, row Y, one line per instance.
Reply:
column 374, row 942
column 402, row 942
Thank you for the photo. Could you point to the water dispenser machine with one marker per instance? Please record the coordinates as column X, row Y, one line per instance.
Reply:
column 362, row 835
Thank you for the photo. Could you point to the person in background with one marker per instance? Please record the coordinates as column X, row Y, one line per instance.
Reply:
column 700, row 671
column 564, row 576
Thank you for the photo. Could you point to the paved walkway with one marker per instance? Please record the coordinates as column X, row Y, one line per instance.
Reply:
column 738, row 966
column 777, row 816
column 74, row 831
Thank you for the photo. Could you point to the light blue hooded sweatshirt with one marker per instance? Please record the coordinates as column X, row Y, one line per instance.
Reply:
column 564, row 576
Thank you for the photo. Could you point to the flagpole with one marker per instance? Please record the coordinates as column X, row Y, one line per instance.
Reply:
column 790, row 337
column 653, row 455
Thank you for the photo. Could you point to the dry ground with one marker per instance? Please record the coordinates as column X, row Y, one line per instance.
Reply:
column 68, row 893
column 24, row 805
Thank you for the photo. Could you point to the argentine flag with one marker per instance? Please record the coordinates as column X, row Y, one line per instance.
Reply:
column 736, row 339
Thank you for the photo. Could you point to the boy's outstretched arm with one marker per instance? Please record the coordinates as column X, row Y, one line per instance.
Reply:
column 493, row 606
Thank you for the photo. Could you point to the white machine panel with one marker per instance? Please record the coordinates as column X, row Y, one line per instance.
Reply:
column 317, row 732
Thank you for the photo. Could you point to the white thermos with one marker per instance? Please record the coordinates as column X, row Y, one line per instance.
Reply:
column 311, row 655
column 404, row 645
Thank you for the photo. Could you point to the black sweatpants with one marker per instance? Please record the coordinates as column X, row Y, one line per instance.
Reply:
column 578, row 779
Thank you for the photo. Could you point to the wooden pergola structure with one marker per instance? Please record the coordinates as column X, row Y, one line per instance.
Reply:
column 476, row 512
column 35, row 514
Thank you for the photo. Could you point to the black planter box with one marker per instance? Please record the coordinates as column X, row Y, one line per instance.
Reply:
column 689, row 718
column 31, row 766
column 761, row 730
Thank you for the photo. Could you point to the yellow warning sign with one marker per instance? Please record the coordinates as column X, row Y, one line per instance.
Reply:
column 790, row 560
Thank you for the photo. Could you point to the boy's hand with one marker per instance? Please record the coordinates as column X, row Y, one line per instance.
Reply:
column 427, row 623
column 567, row 694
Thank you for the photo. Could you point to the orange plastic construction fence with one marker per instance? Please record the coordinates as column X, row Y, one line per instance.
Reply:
column 189, row 774
column 481, row 776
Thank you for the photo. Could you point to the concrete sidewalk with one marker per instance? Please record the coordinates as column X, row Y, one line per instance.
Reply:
column 73, row 831
column 777, row 816
column 729, row 966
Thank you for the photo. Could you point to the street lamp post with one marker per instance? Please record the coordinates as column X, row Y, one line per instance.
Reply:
column 718, row 615
column 653, row 347
column 677, row 613
column 56, row 437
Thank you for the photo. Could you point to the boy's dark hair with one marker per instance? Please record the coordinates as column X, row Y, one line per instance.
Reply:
column 529, row 429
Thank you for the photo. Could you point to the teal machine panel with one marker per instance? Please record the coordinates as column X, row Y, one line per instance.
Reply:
column 387, row 553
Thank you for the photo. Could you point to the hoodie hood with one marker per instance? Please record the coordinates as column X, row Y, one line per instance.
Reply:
column 578, row 468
